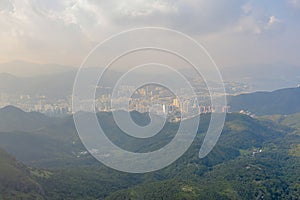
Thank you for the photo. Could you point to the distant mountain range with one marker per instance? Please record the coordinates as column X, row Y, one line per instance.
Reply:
column 54, row 86
column 21, row 77
column 36, row 136
column 39, row 85
column 28, row 69
column 283, row 101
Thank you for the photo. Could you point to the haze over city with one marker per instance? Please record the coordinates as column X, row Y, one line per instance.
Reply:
column 149, row 99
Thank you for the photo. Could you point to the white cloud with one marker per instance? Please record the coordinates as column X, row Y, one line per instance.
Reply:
column 255, row 20
column 68, row 20
column 29, row 32
column 250, row 24
column 56, row 30
column 142, row 8
column 273, row 21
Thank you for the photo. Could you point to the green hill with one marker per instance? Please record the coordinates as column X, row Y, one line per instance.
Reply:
column 291, row 121
column 283, row 101
column 272, row 173
column 253, row 158
column 16, row 181
column 189, row 177
column 15, row 119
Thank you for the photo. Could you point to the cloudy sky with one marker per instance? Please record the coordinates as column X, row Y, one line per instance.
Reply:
column 235, row 32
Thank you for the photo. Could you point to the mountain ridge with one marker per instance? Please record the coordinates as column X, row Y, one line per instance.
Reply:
column 282, row 101
column 15, row 119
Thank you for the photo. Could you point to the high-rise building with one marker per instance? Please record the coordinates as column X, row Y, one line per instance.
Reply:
column 175, row 102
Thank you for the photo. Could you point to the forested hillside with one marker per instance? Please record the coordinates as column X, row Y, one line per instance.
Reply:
column 253, row 159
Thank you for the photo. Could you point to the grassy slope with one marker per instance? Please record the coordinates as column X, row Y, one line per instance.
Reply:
column 15, row 180
column 292, row 120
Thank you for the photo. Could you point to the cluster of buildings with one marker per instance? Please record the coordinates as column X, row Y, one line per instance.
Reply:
column 37, row 103
column 158, row 100
column 151, row 98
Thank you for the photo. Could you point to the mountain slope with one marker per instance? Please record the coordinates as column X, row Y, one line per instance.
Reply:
column 15, row 180
column 15, row 119
column 242, row 136
column 267, row 148
column 273, row 173
column 60, row 141
column 284, row 101
column 27, row 69
column 292, row 121
column 48, row 84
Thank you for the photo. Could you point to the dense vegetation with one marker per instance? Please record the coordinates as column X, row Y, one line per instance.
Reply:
column 254, row 159
column 16, row 181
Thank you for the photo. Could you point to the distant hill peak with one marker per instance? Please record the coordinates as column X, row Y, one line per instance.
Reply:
column 15, row 119
column 29, row 69
column 11, row 108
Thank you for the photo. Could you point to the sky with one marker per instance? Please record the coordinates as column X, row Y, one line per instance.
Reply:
column 235, row 32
